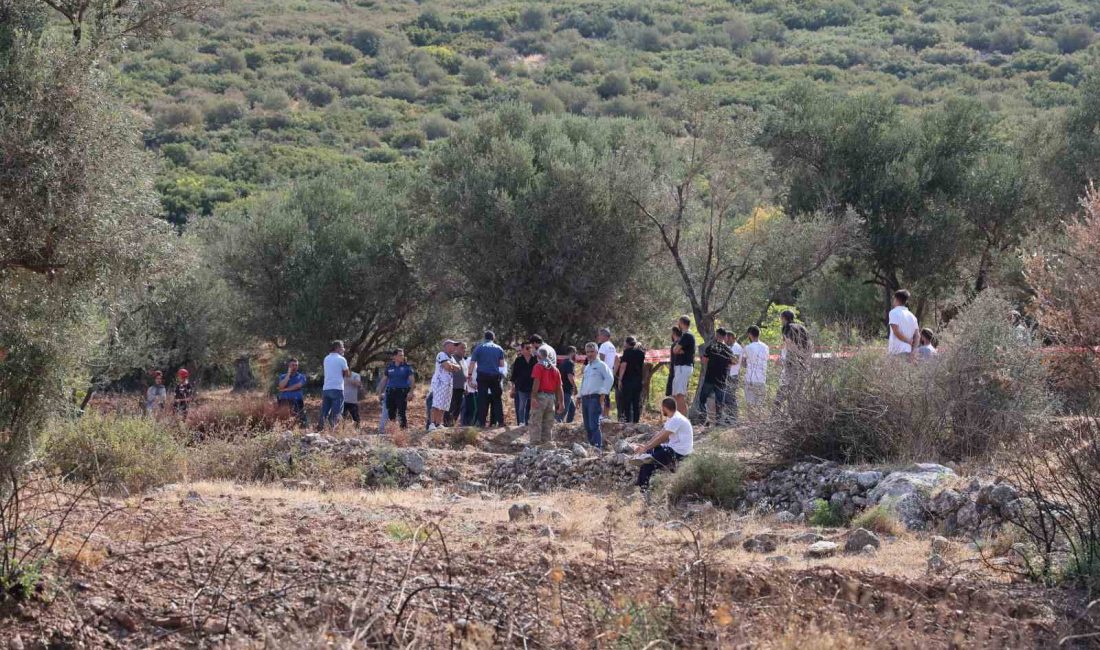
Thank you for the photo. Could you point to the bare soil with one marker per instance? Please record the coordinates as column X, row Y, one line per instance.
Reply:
column 218, row 564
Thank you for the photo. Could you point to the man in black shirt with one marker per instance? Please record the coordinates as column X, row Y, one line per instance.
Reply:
column 631, row 368
column 683, row 364
column 798, row 350
column 568, row 369
column 717, row 358
column 522, row 383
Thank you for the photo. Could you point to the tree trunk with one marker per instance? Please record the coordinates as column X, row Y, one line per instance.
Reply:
column 243, row 379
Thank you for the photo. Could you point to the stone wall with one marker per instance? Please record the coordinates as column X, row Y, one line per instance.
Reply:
column 923, row 496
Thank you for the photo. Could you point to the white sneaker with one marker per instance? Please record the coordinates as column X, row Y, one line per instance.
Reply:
column 432, row 427
column 640, row 459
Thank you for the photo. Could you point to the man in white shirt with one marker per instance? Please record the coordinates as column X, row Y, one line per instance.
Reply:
column 666, row 448
column 442, row 380
column 734, row 376
column 351, row 396
column 332, row 392
column 904, row 329
column 596, row 384
column 610, row 356
column 754, row 360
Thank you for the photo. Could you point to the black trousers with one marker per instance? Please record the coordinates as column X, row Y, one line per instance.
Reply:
column 451, row 417
column 352, row 409
column 397, row 405
column 490, row 402
column 630, row 402
column 663, row 458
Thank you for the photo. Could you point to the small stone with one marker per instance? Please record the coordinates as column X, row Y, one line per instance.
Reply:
column 778, row 560
column 97, row 604
column 730, row 539
column 519, row 512
column 785, row 517
column 126, row 620
column 214, row 626
column 412, row 460
column 1001, row 495
column 807, row 538
column 868, row 480
column 15, row 643
column 936, row 563
column 859, row 538
column 822, row 549
column 940, row 545
column 869, row 550
column 623, row 447
column 761, row 543
column 546, row 531
column 579, row 451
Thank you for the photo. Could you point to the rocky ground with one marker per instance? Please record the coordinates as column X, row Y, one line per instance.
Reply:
column 494, row 545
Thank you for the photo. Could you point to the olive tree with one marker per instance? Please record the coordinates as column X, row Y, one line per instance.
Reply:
column 704, row 194
column 76, row 213
column 529, row 231
column 903, row 177
column 329, row 258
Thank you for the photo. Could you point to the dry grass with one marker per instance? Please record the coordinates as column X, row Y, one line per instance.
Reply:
column 583, row 523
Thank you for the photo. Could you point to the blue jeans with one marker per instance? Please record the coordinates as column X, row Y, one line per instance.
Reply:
column 591, row 410
column 570, row 408
column 705, row 391
column 332, row 403
column 523, row 407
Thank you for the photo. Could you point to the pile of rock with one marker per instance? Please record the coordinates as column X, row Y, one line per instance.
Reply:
column 379, row 466
column 542, row 470
column 919, row 496
column 796, row 489
column 979, row 508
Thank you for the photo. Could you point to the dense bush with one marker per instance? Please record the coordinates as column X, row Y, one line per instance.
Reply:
column 227, row 418
column 710, row 476
column 121, row 454
column 985, row 391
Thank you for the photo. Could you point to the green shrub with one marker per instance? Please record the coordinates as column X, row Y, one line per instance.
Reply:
column 340, row 53
column 367, row 41
column 613, row 85
column 1071, row 38
column 877, row 519
column 125, row 454
column 718, row 478
column 984, row 391
column 533, row 18
column 826, row 515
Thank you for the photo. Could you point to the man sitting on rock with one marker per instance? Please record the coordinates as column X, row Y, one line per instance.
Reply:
column 666, row 448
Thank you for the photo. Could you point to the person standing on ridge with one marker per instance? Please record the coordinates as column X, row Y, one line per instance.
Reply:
column 631, row 373
column 485, row 371
column 332, row 391
column 683, row 364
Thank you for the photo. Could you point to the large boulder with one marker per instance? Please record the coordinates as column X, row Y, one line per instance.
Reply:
column 906, row 493
column 822, row 549
column 921, row 478
column 860, row 538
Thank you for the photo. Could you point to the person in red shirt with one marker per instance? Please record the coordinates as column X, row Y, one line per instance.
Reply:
column 547, row 399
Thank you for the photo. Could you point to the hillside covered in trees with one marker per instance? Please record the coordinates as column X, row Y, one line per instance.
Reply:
column 264, row 92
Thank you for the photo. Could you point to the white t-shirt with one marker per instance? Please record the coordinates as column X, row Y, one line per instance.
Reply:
column 682, row 439
column 335, row 365
column 608, row 354
column 351, row 388
column 468, row 384
column 756, row 362
column 735, row 367
column 551, row 353
column 442, row 378
column 907, row 324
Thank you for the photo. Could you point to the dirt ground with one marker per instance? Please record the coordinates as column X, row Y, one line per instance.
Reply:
column 247, row 566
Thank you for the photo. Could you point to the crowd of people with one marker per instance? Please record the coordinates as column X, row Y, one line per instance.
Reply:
column 468, row 389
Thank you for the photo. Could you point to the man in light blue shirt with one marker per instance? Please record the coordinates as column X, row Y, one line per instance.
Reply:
column 595, row 385
column 484, row 373
column 332, row 393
